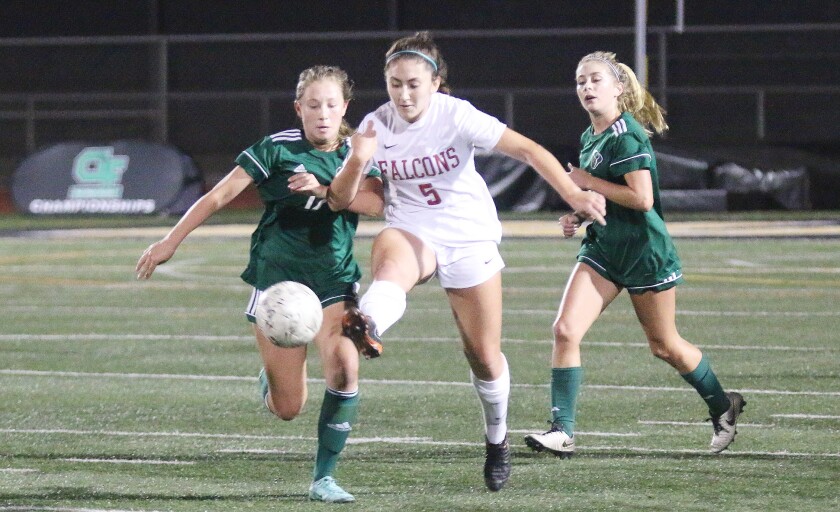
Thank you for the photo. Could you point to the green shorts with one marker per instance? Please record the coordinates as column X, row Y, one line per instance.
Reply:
column 637, row 280
column 345, row 292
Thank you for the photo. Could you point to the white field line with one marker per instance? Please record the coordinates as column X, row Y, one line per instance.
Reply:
column 32, row 508
column 172, row 376
column 130, row 461
column 122, row 337
column 599, row 449
column 202, row 271
column 587, row 434
column 117, row 310
column 125, row 433
column 713, row 271
column 18, row 470
column 807, row 416
column 396, row 339
column 378, row 440
column 727, row 453
column 110, row 375
column 702, row 424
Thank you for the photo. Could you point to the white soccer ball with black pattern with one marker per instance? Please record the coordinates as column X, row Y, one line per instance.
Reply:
column 289, row 314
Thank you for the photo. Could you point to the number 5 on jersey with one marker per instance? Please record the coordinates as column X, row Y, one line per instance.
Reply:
column 428, row 190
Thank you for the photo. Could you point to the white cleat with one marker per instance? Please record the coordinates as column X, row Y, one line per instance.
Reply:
column 328, row 491
column 724, row 424
column 554, row 441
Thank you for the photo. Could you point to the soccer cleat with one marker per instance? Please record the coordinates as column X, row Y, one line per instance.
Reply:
column 497, row 464
column 263, row 379
column 328, row 491
column 724, row 424
column 554, row 441
column 361, row 330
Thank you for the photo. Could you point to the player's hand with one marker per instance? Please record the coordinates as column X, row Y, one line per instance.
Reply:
column 588, row 203
column 306, row 183
column 154, row 255
column 363, row 142
column 570, row 224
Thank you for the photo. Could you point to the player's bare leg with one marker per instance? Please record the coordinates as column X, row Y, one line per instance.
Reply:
column 478, row 314
column 657, row 314
column 285, row 374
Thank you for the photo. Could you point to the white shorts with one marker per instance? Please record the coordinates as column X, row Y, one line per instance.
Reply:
column 464, row 267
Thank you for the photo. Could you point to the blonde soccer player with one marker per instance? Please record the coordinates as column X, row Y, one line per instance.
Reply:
column 300, row 237
column 633, row 251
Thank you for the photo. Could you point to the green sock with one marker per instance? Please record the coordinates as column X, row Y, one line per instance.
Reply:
column 565, row 384
column 704, row 380
column 338, row 413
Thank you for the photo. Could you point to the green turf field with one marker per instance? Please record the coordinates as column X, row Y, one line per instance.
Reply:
column 126, row 395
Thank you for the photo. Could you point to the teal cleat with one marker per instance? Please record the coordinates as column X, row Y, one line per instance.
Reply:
column 328, row 491
column 263, row 386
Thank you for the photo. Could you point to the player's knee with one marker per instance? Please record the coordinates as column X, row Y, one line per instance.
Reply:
column 662, row 350
column 565, row 333
column 480, row 361
column 286, row 410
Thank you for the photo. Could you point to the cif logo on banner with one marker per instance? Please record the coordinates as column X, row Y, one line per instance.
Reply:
column 98, row 174
column 129, row 177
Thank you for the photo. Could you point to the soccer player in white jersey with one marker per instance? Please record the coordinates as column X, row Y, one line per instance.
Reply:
column 440, row 219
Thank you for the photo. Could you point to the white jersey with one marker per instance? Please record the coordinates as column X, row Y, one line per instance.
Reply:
column 432, row 188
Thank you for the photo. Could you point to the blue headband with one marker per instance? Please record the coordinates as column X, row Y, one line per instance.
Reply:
column 412, row 52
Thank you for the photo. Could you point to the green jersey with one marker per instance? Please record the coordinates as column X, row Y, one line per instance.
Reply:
column 634, row 249
column 298, row 237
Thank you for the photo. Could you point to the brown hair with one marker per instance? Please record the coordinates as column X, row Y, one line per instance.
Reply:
column 635, row 98
column 420, row 46
column 317, row 73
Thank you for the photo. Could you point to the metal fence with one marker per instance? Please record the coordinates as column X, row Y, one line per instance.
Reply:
column 218, row 93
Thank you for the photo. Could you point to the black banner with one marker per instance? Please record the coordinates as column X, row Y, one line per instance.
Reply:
column 122, row 177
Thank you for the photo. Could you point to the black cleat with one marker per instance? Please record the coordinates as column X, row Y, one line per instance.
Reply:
column 497, row 465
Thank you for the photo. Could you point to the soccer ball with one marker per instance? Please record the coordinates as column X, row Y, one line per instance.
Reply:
column 289, row 314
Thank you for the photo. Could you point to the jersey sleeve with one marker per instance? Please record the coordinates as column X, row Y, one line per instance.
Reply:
column 483, row 130
column 259, row 159
column 630, row 154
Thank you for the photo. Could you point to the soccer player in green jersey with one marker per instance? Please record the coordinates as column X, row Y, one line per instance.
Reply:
column 300, row 237
column 633, row 251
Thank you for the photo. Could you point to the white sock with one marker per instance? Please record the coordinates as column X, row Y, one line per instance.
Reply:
column 384, row 301
column 494, row 397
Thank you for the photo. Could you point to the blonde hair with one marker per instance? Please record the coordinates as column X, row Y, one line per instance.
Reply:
column 318, row 73
column 420, row 46
column 635, row 99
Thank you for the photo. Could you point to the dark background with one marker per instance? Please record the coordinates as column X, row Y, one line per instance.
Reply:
column 45, row 18
column 213, row 77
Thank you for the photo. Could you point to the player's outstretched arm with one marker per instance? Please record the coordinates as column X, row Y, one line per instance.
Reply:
column 591, row 204
column 159, row 252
